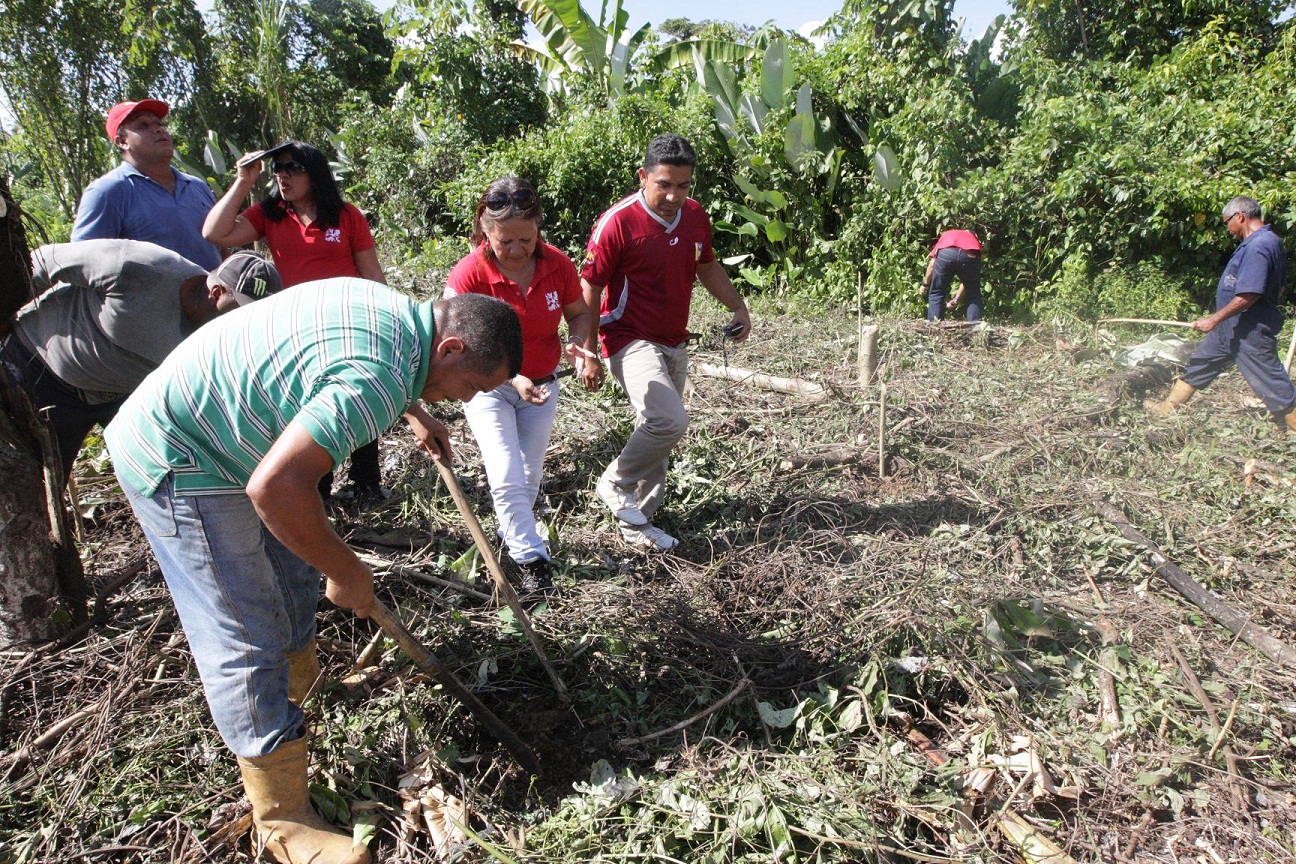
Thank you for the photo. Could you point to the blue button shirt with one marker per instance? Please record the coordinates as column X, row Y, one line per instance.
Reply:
column 126, row 205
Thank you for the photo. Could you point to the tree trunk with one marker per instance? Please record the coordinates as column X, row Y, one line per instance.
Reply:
column 40, row 570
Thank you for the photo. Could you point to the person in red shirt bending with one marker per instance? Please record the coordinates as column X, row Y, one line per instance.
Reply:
column 312, row 234
column 646, row 251
column 957, row 253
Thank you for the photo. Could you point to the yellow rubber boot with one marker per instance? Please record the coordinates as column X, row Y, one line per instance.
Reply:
column 1179, row 394
column 286, row 826
column 303, row 672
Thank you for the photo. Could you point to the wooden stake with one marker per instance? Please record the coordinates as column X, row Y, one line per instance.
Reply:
column 1291, row 352
column 882, row 466
column 868, row 337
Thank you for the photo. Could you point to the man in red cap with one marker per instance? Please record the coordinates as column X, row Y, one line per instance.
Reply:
column 144, row 198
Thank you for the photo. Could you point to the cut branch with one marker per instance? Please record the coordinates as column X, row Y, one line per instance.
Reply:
column 796, row 386
column 1236, row 622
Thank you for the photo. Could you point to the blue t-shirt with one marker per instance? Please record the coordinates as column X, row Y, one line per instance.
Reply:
column 125, row 205
column 1258, row 266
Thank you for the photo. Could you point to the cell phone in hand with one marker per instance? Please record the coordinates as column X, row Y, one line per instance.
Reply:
column 258, row 155
column 732, row 331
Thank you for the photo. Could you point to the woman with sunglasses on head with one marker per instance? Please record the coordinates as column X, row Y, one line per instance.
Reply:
column 513, row 422
column 312, row 234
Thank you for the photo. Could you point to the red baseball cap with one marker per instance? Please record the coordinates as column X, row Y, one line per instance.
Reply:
column 122, row 111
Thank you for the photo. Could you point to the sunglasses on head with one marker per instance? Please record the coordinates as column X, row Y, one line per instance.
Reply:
column 523, row 198
column 287, row 168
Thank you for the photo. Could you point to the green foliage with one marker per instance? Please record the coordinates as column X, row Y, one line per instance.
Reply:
column 1145, row 289
column 585, row 161
column 1142, row 31
column 63, row 65
column 787, row 166
column 601, row 60
column 455, row 66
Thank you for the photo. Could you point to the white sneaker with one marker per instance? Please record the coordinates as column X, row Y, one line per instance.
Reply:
column 649, row 537
column 622, row 504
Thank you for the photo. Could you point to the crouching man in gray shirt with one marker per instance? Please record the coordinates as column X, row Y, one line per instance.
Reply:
column 107, row 314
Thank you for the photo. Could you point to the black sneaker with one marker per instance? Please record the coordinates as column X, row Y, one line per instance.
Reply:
column 537, row 578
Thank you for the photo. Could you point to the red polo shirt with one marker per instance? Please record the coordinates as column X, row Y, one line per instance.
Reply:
column 553, row 286
column 303, row 253
column 957, row 238
column 648, row 267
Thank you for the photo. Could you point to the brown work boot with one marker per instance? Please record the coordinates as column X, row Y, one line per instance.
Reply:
column 1180, row 393
column 303, row 671
column 286, row 826
column 1289, row 417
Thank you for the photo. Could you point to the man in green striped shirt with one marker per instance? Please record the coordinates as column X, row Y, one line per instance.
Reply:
column 219, row 452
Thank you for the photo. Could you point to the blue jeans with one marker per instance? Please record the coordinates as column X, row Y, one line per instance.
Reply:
column 245, row 602
column 513, row 435
column 953, row 262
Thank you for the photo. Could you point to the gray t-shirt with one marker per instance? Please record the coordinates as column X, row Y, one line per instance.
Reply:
column 112, row 315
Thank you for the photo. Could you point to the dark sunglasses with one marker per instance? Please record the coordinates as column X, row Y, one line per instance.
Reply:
column 287, row 168
column 523, row 198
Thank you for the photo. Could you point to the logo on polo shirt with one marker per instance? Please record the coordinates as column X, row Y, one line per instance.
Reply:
column 333, row 235
column 589, row 258
column 551, row 300
column 674, row 241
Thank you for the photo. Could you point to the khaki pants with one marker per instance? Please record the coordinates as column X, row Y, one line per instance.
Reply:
column 653, row 377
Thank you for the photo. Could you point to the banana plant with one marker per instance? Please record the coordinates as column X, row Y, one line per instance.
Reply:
column 605, row 53
column 798, row 192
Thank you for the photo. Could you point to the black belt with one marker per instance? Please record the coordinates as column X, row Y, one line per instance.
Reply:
column 565, row 372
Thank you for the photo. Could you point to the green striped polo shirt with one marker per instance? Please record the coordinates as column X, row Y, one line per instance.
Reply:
column 343, row 357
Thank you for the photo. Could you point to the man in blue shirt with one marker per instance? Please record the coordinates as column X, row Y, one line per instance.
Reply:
column 144, row 198
column 1244, row 328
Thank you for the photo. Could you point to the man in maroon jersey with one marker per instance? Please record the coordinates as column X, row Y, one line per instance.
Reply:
column 646, row 250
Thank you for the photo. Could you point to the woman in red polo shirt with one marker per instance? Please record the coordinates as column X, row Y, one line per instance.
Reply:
column 312, row 234
column 513, row 422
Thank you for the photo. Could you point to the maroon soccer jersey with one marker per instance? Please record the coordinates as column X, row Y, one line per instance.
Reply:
column 648, row 266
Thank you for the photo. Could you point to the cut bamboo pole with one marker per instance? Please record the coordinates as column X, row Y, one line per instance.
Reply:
column 796, row 386
column 868, row 337
column 882, row 466
column 1291, row 352
column 501, row 581
column 1257, row 637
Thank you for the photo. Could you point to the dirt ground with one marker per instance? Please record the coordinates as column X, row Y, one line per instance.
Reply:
column 963, row 659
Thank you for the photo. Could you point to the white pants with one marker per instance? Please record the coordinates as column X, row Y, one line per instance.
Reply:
column 653, row 377
column 513, row 435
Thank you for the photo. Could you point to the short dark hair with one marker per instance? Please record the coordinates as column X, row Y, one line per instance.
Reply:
column 509, row 186
column 489, row 328
column 1248, row 207
column 324, row 189
column 669, row 149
